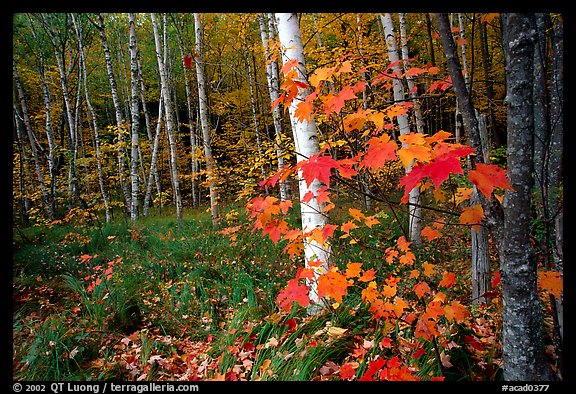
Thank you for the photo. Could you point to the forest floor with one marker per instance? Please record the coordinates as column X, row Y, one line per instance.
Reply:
column 158, row 301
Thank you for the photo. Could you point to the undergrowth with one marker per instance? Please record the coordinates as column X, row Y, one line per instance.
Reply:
column 160, row 301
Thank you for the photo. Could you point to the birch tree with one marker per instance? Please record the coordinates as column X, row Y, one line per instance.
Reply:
column 94, row 123
column 135, row 113
column 414, row 219
column 121, row 153
column 306, row 145
column 167, row 100
column 203, row 108
column 267, row 35
column 73, row 185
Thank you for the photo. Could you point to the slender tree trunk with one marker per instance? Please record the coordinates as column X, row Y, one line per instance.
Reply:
column 24, row 169
column 414, row 220
column 267, row 34
column 135, row 112
column 522, row 347
column 78, row 29
column 118, row 113
column 493, row 218
column 48, row 126
column 489, row 86
column 306, row 144
column 203, row 105
column 193, row 160
column 153, row 163
column 31, row 137
column 169, row 120
column 254, row 113
column 430, row 39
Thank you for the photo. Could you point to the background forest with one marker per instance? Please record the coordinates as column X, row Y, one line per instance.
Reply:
column 287, row 196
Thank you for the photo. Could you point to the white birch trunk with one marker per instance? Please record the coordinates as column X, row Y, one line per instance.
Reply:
column 117, row 112
column 194, row 166
column 273, row 89
column 153, row 165
column 135, row 112
column 169, row 120
column 203, row 106
column 94, row 121
column 306, row 144
column 414, row 220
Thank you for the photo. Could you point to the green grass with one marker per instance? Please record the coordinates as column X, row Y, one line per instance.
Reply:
column 177, row 286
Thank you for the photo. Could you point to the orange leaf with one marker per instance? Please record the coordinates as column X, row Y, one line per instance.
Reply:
column 368, row 275
column 389, row 291
column 353, row 270
column 370, row 294
column 472, row 216
column 551, row 281
column 371, row 221
column 428, row 269
column 407, row 258
column 430, row 233
column 448, row 279
column 356, row 213
column 380, row 150
column 333, row 284
column 305, row 108
column 403, row 245
column 349, row 225
column 421, row 288
column 456, row 312
column 488, row 176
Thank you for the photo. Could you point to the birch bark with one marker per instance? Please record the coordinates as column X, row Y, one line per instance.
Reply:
column 203, row 107
column 306, row 144
column 414, row 220
column 169, row 120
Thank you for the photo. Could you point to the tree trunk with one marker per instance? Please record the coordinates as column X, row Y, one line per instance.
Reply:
column 118, row 114
column 78, row 29
column 194, row 161
column 522, row 347
column 203, row 105
column 153, row 163
column 494, row 219
column 31, row 138
column 267, row 34
column 306, row 144
column 135, row 113
column 169, row 120
column 24, row 169
column 414, row 220
column 430, row 40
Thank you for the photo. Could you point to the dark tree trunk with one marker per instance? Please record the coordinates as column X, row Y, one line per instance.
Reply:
column 522, row 347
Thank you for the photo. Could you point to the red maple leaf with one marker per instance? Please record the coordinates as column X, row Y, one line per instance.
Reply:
column 488, row 176
column 188, row 61
column 294, row 292
column 318, row 167
column 347, row 371
column 373, row 367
